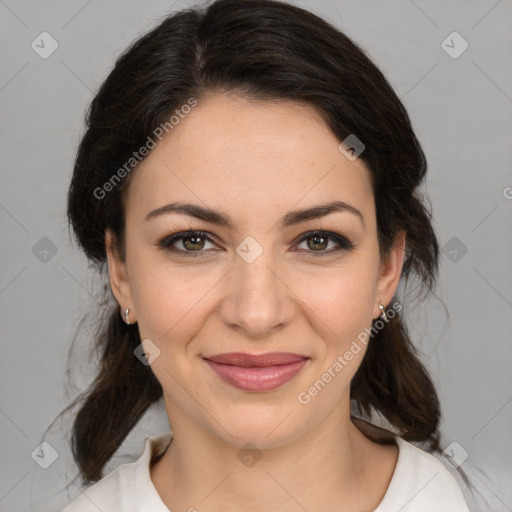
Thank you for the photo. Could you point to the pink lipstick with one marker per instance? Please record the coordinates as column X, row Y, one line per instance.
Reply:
column 251, row 372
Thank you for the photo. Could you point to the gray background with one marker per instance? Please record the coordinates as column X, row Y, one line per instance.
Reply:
column 461, row 109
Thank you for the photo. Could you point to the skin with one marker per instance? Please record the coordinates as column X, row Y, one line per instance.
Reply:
column 257, row 161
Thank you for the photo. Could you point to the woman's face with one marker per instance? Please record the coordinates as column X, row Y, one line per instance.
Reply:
column 257, row 280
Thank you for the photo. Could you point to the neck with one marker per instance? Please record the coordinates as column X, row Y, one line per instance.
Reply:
column 324, row 470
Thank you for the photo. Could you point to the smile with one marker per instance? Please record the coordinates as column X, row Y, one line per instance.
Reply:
column 255, row 373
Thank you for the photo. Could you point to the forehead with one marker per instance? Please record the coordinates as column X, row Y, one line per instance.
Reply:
column 234, row 152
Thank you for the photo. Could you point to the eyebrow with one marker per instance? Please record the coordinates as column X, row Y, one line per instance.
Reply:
column 222, row 219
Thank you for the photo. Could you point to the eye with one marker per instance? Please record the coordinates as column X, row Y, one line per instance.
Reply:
column 192, row 243
column 318, row 242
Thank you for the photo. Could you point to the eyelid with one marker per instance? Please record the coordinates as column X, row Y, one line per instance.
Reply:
column 166, row 242
column 342, row 242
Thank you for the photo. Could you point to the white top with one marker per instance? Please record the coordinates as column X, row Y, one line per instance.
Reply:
column 420, row 483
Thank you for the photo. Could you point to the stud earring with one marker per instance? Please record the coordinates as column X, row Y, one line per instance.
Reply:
column 126, row 316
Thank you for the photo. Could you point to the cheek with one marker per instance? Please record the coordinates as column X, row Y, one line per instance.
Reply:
column 344, row 310
column 173, row 302
column 342, row 297
column 170, row 301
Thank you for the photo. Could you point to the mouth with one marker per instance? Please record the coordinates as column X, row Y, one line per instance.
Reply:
column 263, row 372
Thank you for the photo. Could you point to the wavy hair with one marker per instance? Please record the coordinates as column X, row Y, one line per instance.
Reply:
column 266, row 50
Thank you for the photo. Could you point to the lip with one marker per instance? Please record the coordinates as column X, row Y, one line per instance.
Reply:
column 251, row 372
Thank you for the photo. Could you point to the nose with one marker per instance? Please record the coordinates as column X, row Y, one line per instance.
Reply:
column 258, row 300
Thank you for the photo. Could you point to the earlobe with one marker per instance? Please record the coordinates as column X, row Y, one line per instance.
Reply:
column 118, row 275
column 390, row 272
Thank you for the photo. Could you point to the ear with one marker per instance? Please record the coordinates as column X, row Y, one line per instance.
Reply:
column 118, row 276
column 390, row 272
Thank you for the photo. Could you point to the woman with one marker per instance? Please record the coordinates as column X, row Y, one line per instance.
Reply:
column 250, row 180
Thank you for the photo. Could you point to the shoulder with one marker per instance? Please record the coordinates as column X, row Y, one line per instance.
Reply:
column 421, row 482
column 128, row 488
column 103, row 495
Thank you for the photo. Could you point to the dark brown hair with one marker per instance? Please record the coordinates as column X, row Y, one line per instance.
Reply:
column 266, row 50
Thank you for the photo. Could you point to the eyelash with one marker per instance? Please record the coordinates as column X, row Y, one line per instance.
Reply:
column 167, row 241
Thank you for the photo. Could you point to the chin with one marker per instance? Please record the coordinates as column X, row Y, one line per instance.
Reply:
column 263, row 425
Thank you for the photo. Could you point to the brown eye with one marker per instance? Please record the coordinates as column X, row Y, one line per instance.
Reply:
column 191, row 242
column 318, row 242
